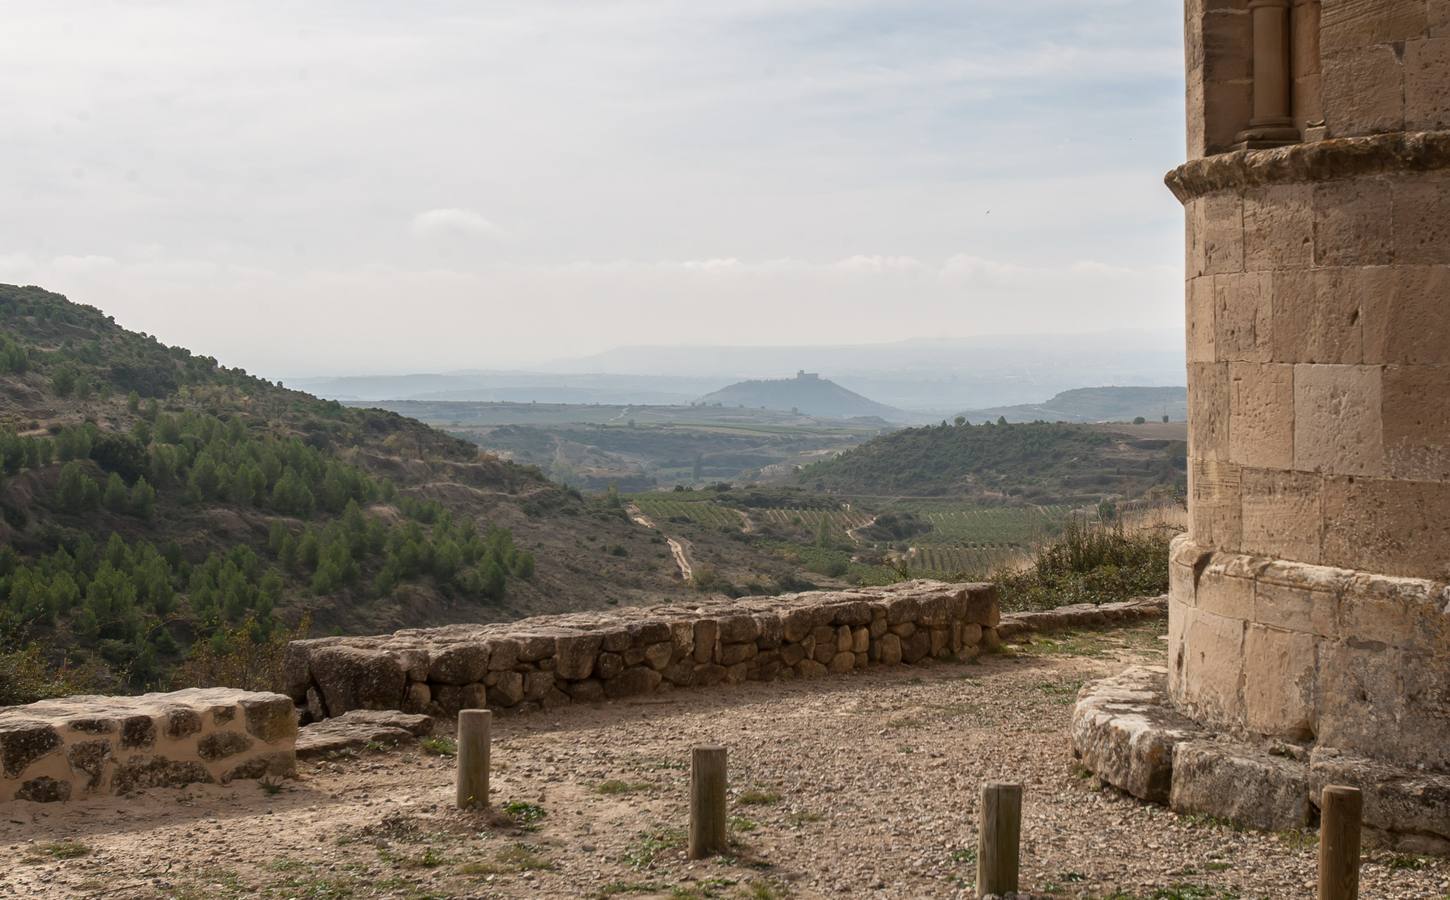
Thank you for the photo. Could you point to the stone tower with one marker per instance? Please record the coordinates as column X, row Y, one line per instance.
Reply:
column 1309, row 613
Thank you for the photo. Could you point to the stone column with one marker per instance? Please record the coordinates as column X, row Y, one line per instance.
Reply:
column 1272, row 124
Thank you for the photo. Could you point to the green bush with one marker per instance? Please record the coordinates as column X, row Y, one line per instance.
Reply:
column 1089, row 564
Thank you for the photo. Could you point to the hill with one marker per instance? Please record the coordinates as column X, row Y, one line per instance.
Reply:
column 1037, row 463
column 157, row 507
column 806, row 393
column 1095, row 404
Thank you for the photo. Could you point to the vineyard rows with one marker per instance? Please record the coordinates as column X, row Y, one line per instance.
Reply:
column 990, row 526
column 962, row 561
column 663, row 509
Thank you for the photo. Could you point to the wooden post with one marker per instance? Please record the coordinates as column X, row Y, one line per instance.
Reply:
column 999, row 838
column 707, row 801
column 1341, row 814
column 473, row 743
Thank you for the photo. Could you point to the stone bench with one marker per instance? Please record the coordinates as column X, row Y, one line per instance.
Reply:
column 549, row 661
column 84, row 746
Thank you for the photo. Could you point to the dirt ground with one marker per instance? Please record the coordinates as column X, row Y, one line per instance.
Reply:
column 859, row 786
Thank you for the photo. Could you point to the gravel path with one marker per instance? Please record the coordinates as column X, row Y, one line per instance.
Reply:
column 860, row 786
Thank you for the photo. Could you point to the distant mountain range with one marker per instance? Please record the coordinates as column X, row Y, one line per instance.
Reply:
column 806, row 393
column 936, row 378
column 1095, row 404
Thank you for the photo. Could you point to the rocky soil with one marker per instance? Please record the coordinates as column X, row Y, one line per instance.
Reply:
column 860, row 786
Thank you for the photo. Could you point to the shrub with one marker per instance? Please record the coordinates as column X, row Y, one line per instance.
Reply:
column 1090, row 564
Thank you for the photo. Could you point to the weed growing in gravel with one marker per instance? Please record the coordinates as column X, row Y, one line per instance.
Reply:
column 270, row 786
column 518, row 858
column 616, row 786
column 758, row 798
column 59, row 850
column 1405, row 863
column 439, row 745
column 651, row 844
column 525, row 815
column 616, row 888
column 742, row 824
column 803, row 817
column 1061, row 691
column 1294, row 838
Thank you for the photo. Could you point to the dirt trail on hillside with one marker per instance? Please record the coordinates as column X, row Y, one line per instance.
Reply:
column 679, row 547
column 863, row 785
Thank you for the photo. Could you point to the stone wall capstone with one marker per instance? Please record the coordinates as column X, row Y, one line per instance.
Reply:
column 550, row 661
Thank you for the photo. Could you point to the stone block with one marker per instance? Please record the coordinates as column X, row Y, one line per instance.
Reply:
column 1427, row 84
column 730, row 654
column 1422, row 218
column 1347, row 25
column 1213, row 666
column 1337, row 420
column 608, row 665
column 1208, row 411
column 1390, row 526
column 1278, row 227
column 735, row 629
column 503, row 654
column 1353, row 223
column 917, row 647
column 1364, row 91
column 1215, row 513
column 632, row 682
column 1199, row 316
column 890, row 650
column 841, row 663
column 707, row 640
column 1415, row 301
column 351, row 678
column 1241, row 784
column 1223, row 233
column 1124, row 731
column 1224, row 595
column 658, row 655
column 508, row 691
column 459, row 664
column 1415, row 402
column 356, row 730
column 1243, row 316
column 1282, row 514
column 1261, row 415
column 1411, row 807
column 1280, row 683
column 590, row 690
column 576, row 654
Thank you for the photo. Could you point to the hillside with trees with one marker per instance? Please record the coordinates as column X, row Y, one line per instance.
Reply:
column 159, row 510
column 1033, row 463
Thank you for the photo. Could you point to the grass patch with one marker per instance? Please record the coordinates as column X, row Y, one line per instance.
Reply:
column 743, row 825
column 1405, row 863
column 438, row 745
column 615, row 786
column 509, row 861
column 803, row 817
column 525, row 815
column 758, row 798
column 58, row 850
column 964, row 856
column 651, row 845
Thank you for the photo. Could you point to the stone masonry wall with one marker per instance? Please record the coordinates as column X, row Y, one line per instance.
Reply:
column 1336, row 658
column 82, row 746
column 1319, row 377
column 550, row 661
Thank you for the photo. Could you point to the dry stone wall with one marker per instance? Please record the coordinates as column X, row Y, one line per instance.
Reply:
column 83, row 746
column 551, row 661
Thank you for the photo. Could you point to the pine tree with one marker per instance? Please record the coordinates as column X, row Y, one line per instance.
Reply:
column 77, row 491
column 116, row 498
column 143, row 500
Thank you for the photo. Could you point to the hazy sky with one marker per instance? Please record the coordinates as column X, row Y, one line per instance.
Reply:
column 363, row 186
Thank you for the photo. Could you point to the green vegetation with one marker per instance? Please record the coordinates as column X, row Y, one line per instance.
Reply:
column 1038, row 463
column 1089, row 564
column 163, row 521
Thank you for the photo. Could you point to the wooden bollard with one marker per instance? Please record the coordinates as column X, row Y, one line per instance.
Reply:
column 1341, row 816
column 707, row 801
column 999, row 838
column 473, row 743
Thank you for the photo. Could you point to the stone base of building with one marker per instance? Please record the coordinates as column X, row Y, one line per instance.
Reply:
column 1127, row 733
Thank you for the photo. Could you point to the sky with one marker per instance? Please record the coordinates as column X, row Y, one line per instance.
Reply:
column 359, row 186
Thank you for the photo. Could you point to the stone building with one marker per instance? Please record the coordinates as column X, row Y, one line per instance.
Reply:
column 1309, row 634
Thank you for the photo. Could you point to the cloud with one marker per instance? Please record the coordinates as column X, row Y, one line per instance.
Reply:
column 453, row 222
